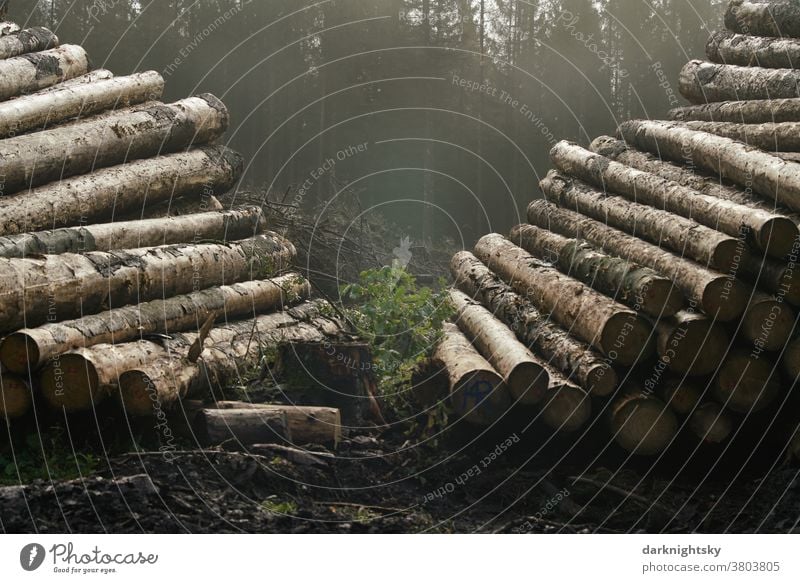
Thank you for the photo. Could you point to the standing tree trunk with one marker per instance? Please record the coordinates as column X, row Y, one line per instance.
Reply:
column 120, row 190
column 477, row 392
column 755, row 111
column 746, row 382
column 28, row 349
column 213, row 226
column 773, row 137
column 642, row 424
column 766, row 174
column 729, row 48
column 718, row 295
column 640, row 288
column 615, row 330
column 128, row 134
column 691, row 344
column 770, row 232
column 29, row 73
column 53, row 288
column 523, row 373
column 704, row 82
column 30, row 40
column 48, row 108
column 576, row 360
column 683, row 236
column 763, row 17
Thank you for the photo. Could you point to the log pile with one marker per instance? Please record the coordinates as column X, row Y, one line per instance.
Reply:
column 124, row 283
column 659, row 274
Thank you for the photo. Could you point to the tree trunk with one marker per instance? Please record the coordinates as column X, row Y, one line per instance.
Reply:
column 91, row 77
column 28, row 349
column 30, row 40
column 764, row 173
column 212, row 226
column 718, row 295
column 8, row 27
column 746, row 382
column 681, row 235
column 690, row 343
column 729, row 48
column 613, row 329
column 477, row 392
column 642, row 424
column 15, row 397
column 39, row 110
column 640, row 288
column 149, row 375
column 523, row 373
column 120, row 190
column 770, row 232
column 128, row 134
column 29, row 73
column 768, row 322
column 308, row 425
column 703, row 82
column 244, row 427
column 755, row 111
column 177, row 207
column 54, row 288
column 772, row 137
column 763, row 17
column 707, row 420
column 578, row 361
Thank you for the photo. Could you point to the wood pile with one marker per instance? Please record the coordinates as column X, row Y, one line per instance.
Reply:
column 122, row 278
column 655, row 288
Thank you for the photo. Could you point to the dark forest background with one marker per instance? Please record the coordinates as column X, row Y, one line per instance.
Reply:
column 455, row 102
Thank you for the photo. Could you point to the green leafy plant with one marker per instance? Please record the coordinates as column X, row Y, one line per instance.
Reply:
column 45, row 458
column 401, row 320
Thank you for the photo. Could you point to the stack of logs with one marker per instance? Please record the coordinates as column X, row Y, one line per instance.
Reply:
column 658, row 279
column 121, row 275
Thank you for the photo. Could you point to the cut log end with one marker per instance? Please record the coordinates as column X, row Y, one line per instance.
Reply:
column 528, row 383
column 724, row 299
column 626, row 338
column 746, row 383
column 70, row 382
column 568, row 408
column 768, row 324
column 643, row 425
column 711, row 423
column 19, row 353
column 138, row 394
column 778, row 236
column 601, row 380
column 480, row 398
column 661, row 299
column 695, row 346
column 15, row 397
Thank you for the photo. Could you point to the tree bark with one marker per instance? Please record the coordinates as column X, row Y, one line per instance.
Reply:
column 244, row 427
column 755, row 111
column 763, row 17
column 29, row 73
column 30, row 40
column 768, row 322
column 15, row 397
column 703, row 82
column 120, row 190
column 91, row 77
column 772, row 137
column 718, row 295
column 683, row 236
column 39, row 110
column 178, row 207
column 8, row 27
column 615, row 330
column 318, row 425
column 641, row 424
column 576, row 360
column 523, row 373
column 764, row 173
column 747, row 382
column 477, row 392
column 769, row 231
column 691, row 344
column 729, row 48
column 54, row 288
column 640, row 288
column 212, row 226
column 148, row 376
column 28, row 349
column 128, row 134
